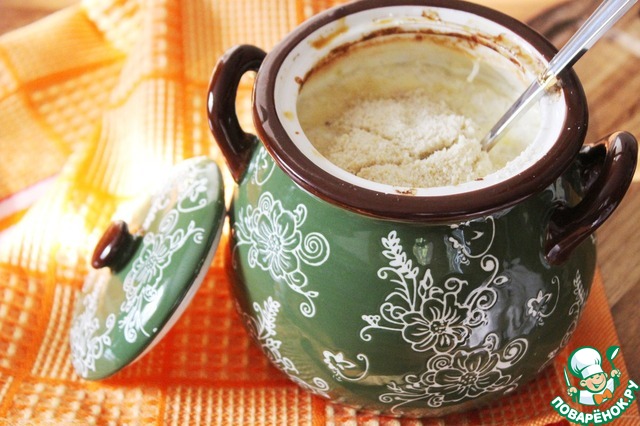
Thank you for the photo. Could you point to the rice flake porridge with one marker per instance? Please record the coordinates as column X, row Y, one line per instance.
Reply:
column 411, row 112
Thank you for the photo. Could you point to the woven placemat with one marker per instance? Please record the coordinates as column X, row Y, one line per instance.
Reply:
column 96, row 101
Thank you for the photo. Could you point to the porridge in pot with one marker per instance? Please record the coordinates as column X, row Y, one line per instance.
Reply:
column 410, row 111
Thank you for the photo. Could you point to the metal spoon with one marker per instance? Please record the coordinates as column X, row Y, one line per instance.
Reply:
column 604, row 17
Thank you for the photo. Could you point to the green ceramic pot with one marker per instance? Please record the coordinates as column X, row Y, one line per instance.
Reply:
column 410, row 301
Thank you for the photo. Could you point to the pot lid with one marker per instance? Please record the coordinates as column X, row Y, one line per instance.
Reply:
column 147, row 271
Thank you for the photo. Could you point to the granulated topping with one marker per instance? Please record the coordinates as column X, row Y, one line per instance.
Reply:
column 406, row 140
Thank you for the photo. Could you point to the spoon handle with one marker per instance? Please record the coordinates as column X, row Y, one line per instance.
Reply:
column 604, row 17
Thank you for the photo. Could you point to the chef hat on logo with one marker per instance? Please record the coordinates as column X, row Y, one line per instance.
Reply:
column 585, row 362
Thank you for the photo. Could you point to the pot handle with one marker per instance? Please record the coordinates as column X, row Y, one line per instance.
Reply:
column 608, row 168
column 236, row 145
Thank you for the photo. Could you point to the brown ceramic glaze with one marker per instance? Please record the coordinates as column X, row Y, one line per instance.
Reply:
column 408, row 207
column 564, row 233
column 115, row 247
column 609, row 170
column 222, row 105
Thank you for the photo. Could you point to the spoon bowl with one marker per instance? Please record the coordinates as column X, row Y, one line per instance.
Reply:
column 604, row 17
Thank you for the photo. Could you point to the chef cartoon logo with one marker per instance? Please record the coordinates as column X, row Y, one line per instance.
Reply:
column 594, row 384
column 597, row 386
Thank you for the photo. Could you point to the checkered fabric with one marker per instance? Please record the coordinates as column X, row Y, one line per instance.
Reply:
column 96, row 101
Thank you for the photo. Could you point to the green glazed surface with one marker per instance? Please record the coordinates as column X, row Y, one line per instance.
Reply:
column 404, row 318
column 120, row 314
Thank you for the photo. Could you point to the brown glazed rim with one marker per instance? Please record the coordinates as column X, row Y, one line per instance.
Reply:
column 460, row 206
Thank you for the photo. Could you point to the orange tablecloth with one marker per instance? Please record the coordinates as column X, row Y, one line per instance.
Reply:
column 95, row 102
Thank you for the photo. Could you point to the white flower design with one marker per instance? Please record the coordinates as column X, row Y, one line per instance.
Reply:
column 439, row 324
column 441, row 320
column 580, row 298
column 146, row 274
column 88, row 337
column 277, row 244
column 459, row 375
column 264, row 167
column 262, row 327
column 429, row 316
column 540, row 307
column 188, row 190
column 340, row 366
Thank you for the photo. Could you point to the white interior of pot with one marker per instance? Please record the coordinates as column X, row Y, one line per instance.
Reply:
column 469, row 50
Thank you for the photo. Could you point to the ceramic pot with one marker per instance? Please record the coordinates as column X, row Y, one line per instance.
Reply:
column 410, row 301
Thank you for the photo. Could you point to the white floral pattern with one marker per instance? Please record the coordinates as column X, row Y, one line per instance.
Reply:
column 262, row 327
column 340, row 366
column 459, row 375
column 440, row 319
column 277, row 244
column 188, row 189
column 142, row 282
column 87, row 343
column 430, row 316
column 580, row 298
column 437, row 318
column 449, row 321
column 264, row 167
column 539, row 308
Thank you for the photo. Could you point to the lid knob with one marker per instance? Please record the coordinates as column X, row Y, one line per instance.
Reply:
column 115, row 248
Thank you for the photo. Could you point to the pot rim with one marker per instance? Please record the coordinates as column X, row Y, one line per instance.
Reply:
column 408, row 206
